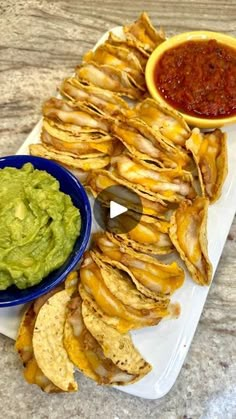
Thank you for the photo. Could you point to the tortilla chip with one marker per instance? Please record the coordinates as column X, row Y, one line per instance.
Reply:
column 66, row 139
column 119, row 57
column 74, row 327
column 188, row 232
column 102, row 179
column 121, row 285
column 168, row 122
column 49, row 350
column 171, row 185
column 110, row 78
column 121, row 325
column 117, row 347
column 148, row 274
column 75, row 115
column 145, row 143
column 209, row 151
column 102, row 101
column 32, row 373
column 132, row 45
column 150, row 235
column 71, row 133
column 96, row 283
column 84, row 350
column 85, row 164
column 144, row 32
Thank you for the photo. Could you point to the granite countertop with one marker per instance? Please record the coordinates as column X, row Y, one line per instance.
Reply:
column 41, row 42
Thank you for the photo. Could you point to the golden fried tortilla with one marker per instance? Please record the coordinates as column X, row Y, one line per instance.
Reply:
column 209, row 151
column 188, row 232
column 117, row 347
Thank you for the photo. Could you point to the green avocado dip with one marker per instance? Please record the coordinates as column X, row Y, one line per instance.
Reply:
column 38, row 226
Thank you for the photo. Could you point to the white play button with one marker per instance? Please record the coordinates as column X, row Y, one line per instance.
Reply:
column 116, row 209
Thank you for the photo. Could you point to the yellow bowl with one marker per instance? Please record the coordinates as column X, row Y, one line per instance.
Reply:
column 174, row 42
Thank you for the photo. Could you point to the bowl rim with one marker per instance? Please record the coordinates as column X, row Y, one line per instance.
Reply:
column 78, row 254
column 173, row 42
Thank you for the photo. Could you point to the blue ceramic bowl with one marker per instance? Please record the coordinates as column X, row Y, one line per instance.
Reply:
column 71, row 186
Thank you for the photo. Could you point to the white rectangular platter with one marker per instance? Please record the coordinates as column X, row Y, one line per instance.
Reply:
column 164, row 346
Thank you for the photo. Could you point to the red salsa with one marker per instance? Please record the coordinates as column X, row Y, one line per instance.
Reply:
column 199, row 78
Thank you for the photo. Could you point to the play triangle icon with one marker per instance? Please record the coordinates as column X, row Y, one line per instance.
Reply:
column 116, row 209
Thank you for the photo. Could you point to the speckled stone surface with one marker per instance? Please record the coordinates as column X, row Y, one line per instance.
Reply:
column 41, row 42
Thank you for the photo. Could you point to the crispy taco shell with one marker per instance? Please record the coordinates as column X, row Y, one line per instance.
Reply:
column 75, row 115
column 189, row 235
column 149, row 235
column 100, row 100
column 116, row 346
column 171, row 185
column 144, row 33
column 168, row 122
column 119, row 57
column 145, row 143
column 85, row 351
column 101, row 287
column 48, row 346
column 121, row 285
column 151, row 277
column 63, row 138
column 132, row 45
column 67, row 159
column 24, row 346
column 110, row 78
column 102, row 179
column 209, row 151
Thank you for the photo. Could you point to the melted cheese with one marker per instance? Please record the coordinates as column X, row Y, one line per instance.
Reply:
column 165, row 182
column 92, row 280
column 172, row 128
column 189, row 223
column 165, row 279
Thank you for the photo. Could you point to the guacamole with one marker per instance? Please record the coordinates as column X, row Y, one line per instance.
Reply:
column 38, row 226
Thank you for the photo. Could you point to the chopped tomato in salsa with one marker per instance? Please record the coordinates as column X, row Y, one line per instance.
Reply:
column 199, row 78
